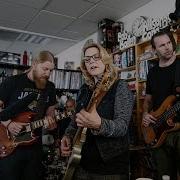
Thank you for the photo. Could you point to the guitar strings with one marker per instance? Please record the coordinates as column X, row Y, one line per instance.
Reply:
column 166, row 115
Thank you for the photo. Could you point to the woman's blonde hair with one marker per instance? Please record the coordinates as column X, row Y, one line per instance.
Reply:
column 105, row 58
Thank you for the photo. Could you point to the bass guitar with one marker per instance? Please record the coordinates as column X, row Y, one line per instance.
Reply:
column 155, row 134
column 8, row 143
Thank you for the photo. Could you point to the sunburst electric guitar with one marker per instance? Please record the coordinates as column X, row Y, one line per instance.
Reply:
column 155, row 134
column 8, row 143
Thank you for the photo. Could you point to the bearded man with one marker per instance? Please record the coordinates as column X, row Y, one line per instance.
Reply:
column 25, row 161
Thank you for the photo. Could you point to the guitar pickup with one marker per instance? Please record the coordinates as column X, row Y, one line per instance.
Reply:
column 27, row 128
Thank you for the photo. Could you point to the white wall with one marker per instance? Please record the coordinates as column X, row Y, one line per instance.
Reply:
column 155, row 8
column 73, row 53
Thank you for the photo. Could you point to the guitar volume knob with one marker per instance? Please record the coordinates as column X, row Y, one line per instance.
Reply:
column 3, row 147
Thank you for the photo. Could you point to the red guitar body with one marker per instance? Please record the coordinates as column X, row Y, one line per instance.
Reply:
column 8, row 143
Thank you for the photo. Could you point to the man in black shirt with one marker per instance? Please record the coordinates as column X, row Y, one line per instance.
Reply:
column 163, row 80
column 24, row 163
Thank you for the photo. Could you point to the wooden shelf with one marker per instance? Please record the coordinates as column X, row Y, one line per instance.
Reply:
column 122, row 50
column 127, row 69
column 130, row 79
column 155, row 58
column 144, row 43
column 13, row 66
column 142, row 81
column 116, row 52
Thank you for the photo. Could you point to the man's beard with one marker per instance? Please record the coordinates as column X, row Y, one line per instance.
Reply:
column 40, row 82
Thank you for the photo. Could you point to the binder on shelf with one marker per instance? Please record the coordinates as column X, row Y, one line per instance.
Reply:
column 66, row 79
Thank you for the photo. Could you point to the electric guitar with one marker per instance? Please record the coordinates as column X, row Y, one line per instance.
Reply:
column 155, row 134
column 8, row 143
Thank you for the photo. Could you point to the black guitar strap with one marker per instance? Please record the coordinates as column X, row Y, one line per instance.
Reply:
column 40, row 110
column 177, row 77
column 177, row 84
column 41, row 105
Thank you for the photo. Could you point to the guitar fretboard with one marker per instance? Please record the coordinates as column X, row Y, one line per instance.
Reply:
column 41, row 122
column 37, row 124
column 167, row 114
column 171, row 111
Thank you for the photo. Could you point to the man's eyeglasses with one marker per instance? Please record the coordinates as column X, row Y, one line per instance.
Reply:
column 95, row 57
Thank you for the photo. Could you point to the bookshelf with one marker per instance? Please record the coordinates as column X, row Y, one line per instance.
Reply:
column 124, row 60
column 10, row 65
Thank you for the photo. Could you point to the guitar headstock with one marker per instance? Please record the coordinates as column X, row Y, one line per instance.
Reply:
column 175, row 25
column 65, row 114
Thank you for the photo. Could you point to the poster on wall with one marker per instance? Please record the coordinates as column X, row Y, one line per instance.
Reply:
column 69, row 65
column 143, row 28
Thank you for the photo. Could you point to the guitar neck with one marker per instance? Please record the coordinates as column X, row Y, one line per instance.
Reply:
column 171, row 111
column 41, row 122
column 37, row 124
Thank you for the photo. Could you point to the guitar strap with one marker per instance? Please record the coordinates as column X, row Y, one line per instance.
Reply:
column 40, row 111
column 177, row 74
column 41, row 105
column 177, row 84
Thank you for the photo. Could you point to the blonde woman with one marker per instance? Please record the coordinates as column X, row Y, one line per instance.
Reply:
column 105, row 152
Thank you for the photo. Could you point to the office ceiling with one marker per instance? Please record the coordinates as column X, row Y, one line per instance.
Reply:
column 55, row 25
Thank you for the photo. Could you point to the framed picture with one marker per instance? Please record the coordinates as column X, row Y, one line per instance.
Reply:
column 117, row 60
column 55, row 62
column 69, row 65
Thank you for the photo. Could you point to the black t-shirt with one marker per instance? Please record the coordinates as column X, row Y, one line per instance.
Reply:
column 16, row 88
column 162, row 81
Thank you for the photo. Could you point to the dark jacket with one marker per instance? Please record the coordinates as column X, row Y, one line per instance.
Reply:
column 115, row 110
